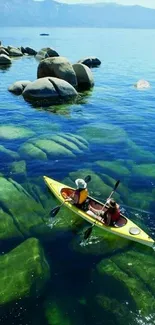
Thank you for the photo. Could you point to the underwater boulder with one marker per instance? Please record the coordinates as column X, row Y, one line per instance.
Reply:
column 11, row 132
column 131, row 272
column 27, row 212
column 10, row 154
column 24, row 272
column 29, row 150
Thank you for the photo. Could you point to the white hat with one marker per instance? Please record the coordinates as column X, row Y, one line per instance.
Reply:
column 80, row 183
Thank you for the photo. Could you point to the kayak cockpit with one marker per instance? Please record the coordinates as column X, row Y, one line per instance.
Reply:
column 68, row 192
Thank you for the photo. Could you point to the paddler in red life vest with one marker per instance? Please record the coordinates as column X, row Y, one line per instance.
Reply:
column 80, row 195
column 112, row 215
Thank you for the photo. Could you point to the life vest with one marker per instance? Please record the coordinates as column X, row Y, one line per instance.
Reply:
column 82, row 195
column 115, row 215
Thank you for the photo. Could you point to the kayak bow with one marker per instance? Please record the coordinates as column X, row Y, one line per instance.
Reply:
column 124, row 227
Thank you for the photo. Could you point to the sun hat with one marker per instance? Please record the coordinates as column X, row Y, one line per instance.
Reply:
column 112, row 204
column 80, row 183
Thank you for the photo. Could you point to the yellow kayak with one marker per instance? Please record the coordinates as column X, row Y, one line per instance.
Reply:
column 124, row 227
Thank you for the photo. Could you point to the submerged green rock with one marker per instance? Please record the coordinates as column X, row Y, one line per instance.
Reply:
column 131, row 272
column 55, row 315
column 8, row 228
column 9, row 153
column 10, row 132
column 144, row 170
column 51, row 148
column 31, row 151
column 140, row 200
column 23, row 272
column 138, row 154
column 116, row 167
column 66, row 142
column 18, row 167
column 24, row 213
column 103, row 134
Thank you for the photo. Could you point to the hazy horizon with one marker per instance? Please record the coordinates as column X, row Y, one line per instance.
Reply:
column 144, row 3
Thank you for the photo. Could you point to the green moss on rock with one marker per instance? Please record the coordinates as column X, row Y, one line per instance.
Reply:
column 116, row 167
column 10, row 132
column 23, row 272
column 9, row 153
column 31, row 151
column 103, row 134
column 51, row 148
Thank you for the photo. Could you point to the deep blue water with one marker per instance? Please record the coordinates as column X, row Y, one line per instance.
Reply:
column 123, row 116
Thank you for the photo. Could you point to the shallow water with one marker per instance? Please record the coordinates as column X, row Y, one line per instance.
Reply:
column 117, row 121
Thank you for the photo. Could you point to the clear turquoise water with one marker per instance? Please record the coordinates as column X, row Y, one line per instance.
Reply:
column 129, row 114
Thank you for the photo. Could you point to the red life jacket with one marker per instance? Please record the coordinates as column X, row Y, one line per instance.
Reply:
column 115, row 215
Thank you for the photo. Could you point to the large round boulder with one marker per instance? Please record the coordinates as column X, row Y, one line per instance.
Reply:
column 18, row 87
column 84, row 76
column 141, row 84
column 4, row 59
column 58, row 67
column 90, row 61
column 45, row 53
column 49, row 90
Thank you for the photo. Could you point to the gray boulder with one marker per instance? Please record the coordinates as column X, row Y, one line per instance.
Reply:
column 18, row 87
column 90, row 61
column 30, row 51
column 45, row 53
column 58, row 67
column 84, row 76
column 4, row 51
column 13, row 51
column 49, row 90
column 4, row 59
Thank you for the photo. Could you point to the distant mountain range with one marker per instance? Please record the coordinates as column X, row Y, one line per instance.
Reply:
column 50, row 13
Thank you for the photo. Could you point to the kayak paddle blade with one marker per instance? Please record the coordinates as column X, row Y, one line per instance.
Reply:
column 87, row 233
column 116, row 185
column 54, row 211
column 87, row 179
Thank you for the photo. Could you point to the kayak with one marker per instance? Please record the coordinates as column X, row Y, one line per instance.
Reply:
column 124, row 226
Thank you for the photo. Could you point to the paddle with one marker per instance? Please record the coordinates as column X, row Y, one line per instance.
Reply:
column 55, row 210
column 87, row 233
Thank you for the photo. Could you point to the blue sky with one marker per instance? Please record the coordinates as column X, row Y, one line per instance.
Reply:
column 146, row 3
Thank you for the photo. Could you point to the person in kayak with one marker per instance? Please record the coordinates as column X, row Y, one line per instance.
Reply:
column 80, row 195
column 110, row 216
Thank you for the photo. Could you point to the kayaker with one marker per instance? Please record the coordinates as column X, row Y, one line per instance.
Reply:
column 80, row 195
column 110, row 216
